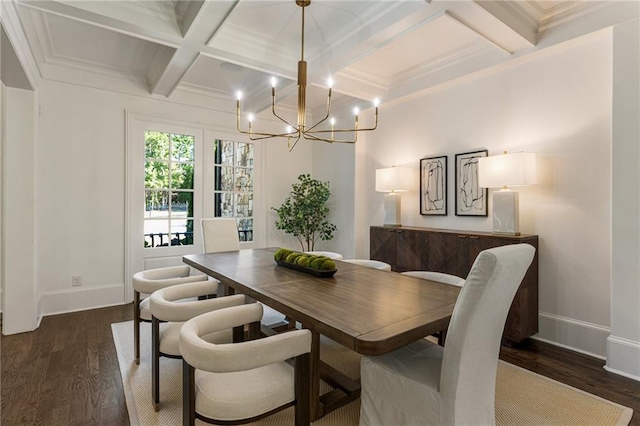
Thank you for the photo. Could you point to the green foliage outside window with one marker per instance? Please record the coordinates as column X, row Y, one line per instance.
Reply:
column 169, row 175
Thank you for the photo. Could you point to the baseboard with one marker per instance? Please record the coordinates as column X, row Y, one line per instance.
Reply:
column 623, row 357
column 81, row 299
column 579, row 336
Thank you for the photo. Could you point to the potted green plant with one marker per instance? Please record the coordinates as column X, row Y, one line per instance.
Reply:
column 304, row 213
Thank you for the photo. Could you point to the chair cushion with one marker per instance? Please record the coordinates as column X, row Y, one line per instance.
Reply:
column 244, row 394
column 401, row 387
column 145, row 309
column 170, row 337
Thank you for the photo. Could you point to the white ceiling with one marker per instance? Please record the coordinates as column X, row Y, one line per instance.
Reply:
column 372, row 48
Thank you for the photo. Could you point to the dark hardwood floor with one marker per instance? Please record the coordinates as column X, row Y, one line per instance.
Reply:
column 66, row 372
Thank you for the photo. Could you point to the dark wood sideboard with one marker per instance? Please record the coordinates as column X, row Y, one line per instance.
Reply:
column 453, row 252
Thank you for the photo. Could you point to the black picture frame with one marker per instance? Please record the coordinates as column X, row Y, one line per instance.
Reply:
column 433, row 186
column 471, row 200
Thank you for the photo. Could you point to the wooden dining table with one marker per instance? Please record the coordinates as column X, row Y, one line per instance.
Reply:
column 369, row 311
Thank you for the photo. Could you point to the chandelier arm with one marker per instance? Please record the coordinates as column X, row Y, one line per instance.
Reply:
column 266, row 135
column 273, row 110
column 316, row 138
column 289, row 146
column 326, row 116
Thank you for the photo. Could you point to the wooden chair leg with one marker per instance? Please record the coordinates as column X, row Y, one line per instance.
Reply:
column 136, row 326
column 238, row 334
column 302, row 391
column 155, row 362
column 442, row 336
column 188, row 395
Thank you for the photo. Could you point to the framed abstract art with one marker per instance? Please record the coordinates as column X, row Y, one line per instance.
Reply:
column 471, row 200
column 433, row 186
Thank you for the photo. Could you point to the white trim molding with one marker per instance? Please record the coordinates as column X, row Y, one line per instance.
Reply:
column 623, row 357
column 579, row 336
column 80, row 299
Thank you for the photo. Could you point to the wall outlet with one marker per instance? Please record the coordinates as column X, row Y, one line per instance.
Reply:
column 76, row 280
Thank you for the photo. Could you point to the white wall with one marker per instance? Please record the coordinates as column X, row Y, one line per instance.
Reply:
column 623, row 350
column 81, row 186
column 335, row 163
column 2, row 132
column 556, row 105
column 19, row 203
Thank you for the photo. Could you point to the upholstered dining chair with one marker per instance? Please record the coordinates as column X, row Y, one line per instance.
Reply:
column 146, row 282
column 437, row 277
column 221, row 234
column 374, row 264
column 423, row 383
column 329, row 254
column 243, row 382
column 173, row 306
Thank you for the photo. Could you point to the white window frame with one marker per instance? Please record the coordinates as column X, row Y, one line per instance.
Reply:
column 136, row 255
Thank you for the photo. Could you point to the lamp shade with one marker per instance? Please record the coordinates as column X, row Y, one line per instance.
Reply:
column 394, row 179
column 517, row 169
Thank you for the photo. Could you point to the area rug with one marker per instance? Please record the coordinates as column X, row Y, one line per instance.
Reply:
column 522, row 397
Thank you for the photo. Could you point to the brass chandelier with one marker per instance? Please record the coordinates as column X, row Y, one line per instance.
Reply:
column 300, row 130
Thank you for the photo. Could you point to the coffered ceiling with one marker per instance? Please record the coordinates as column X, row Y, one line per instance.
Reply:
column 387, row 49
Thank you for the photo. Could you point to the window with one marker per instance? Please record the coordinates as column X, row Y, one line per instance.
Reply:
column 169, row 189
column 233, row 186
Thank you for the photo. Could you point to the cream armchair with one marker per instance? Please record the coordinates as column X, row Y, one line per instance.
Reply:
column 172, row 306
column 374, row 264
column 426, row 384
column 242, row 382
column 146, row 282
column 329, row 254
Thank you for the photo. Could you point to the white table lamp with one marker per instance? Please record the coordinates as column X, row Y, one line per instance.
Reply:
column 503, row 171
column 393, row 180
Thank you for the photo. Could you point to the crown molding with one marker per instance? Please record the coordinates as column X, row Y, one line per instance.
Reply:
column 569, row 11
column 17, row 34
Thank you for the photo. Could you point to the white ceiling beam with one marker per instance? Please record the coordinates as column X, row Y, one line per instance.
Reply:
column 514, row 17
column 209, row 19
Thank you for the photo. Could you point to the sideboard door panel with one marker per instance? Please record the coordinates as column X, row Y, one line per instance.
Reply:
column 448, row 253
column 412, row 250
column 382, row 245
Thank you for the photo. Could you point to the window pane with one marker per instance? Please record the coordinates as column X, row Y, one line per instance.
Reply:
column 224, row 178
column 182, row 147
column 244, row 154
column 182, row 176
column 156, row 233
column 156, row 204
column 156, row 175
column 156, row 145
column 244, row 204
column 223, row 204
column 245, row 229
column 181, row 232
column 227, row 153
column 244, row 181
column 181, row 204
